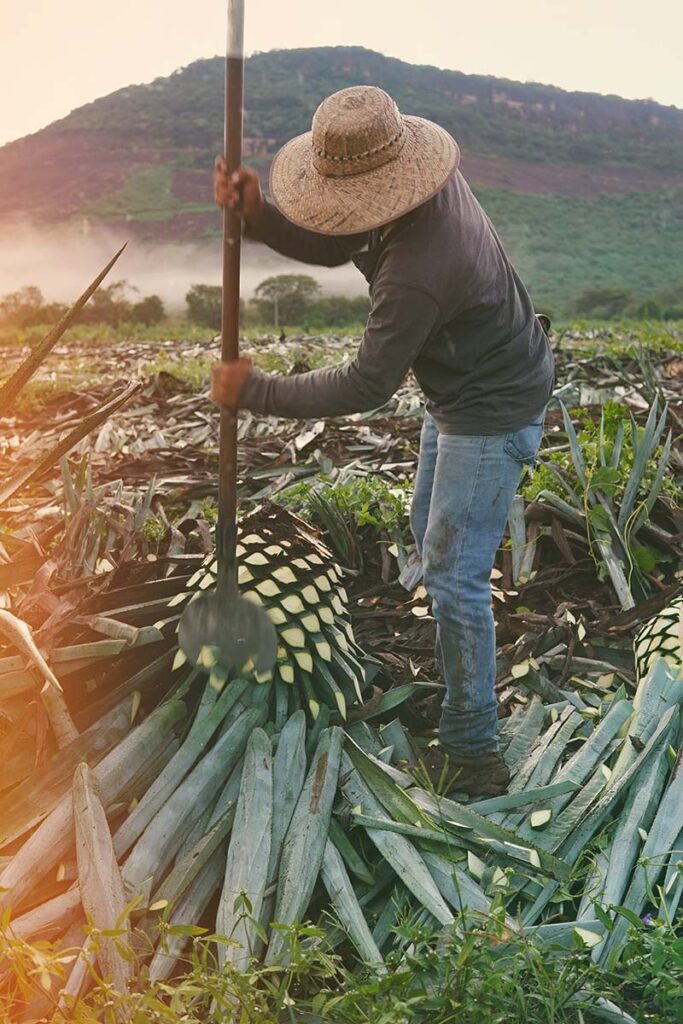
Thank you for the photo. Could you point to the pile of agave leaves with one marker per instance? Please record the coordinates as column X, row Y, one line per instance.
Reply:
column 140, row 792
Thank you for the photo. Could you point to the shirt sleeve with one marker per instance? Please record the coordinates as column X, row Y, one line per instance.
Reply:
column 280, row 234
column 399, row 325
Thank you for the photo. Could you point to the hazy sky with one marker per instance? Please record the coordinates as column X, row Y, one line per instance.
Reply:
column 58, row 54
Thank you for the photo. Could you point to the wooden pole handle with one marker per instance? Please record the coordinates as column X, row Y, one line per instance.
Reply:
column 230, row 302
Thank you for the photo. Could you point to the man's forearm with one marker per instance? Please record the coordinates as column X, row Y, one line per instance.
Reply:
column 337, row 391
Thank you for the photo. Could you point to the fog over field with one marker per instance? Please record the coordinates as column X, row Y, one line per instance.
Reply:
column 62, row 262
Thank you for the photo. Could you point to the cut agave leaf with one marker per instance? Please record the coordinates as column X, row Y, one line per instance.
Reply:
column 284, row 575
column 293, row 636
column 293, row 604
column 311, row 623
column 256, row 558
column 303, row 660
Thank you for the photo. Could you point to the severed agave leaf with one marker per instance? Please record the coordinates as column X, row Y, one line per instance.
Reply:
column 99, row 878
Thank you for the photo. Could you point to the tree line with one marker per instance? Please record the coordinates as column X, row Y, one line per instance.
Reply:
column 27, row 308
column 617, row 303
column 289, row 300
column 282, row 300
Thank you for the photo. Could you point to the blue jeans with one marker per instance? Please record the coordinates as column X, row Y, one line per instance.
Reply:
column 463, row 493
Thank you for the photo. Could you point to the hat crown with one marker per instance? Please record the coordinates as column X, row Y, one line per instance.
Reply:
column 356, row 130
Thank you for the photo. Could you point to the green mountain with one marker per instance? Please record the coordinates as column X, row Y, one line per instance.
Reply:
column 585, row 190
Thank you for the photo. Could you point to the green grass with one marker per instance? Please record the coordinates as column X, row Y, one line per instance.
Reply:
column 477, row 974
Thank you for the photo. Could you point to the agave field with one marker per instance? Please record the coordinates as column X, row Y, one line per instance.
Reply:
column 180, row 845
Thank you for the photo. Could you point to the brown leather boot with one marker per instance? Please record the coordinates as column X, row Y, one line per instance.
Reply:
column 486, row 775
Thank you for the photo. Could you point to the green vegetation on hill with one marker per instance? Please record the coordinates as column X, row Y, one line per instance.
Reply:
column 487, row 115
column 563, row 245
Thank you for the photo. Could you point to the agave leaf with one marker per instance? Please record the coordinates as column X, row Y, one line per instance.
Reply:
column 343, row 898
column 641, row 457
column 656, row 485
column 52, row 697
column 20, row 570
column 166, row 832
column 574, row 447
column 11, row 388
column 641, row 805
column 304, row 844
column 617, row 574
column 389, row 700
column 618, row 445
column 573, row 514
column 527, row 733
column 34, row 470
column 39, row 793
column 189, row 909
column 246, row 867
column 21, row 636
column 99, row 878
column 49, row 919
column 456, row 886
column 510, row 801
column 289, row 772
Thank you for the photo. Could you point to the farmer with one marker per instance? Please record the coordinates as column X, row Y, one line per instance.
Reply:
column 382, row 189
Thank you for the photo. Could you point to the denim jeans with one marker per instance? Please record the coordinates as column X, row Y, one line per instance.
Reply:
column 463, row 493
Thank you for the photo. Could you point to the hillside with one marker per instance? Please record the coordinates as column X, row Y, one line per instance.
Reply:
column 585, row 189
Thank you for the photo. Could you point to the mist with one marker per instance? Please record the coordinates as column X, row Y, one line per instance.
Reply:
column 62, row 262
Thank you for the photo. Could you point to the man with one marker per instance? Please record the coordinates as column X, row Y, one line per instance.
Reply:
column 384, row 190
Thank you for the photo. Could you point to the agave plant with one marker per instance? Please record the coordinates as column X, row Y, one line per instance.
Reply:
column 611, row 516
column 284, row 566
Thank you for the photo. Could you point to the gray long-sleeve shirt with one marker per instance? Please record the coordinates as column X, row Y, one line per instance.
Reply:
column 445, row 302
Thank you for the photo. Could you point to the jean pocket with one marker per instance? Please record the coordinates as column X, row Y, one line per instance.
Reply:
column 522, row 445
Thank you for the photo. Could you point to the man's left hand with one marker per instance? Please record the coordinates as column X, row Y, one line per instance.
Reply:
column 227, row 381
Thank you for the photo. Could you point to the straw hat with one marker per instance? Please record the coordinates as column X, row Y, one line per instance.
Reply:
column 362, row 165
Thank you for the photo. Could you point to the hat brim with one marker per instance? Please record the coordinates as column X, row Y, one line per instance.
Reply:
column 352, row 204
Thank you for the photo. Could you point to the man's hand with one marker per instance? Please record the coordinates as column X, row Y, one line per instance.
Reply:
column 227, row 381
column 241, row 190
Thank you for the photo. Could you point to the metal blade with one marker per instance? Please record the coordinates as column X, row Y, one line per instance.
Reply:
column 238, row 631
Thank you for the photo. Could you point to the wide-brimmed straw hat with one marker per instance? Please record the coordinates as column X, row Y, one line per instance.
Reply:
column 362, row 165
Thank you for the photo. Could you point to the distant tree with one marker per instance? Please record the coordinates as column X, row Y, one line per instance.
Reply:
column 286, row 298
column 335, row 310
column 649, row 310
column 108, row 305
column 23, row 307
column 603, row 303
column 27, row 308
column 204, row 305
column 148, row 311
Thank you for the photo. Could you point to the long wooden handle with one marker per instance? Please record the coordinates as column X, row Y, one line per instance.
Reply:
column 230, row 308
